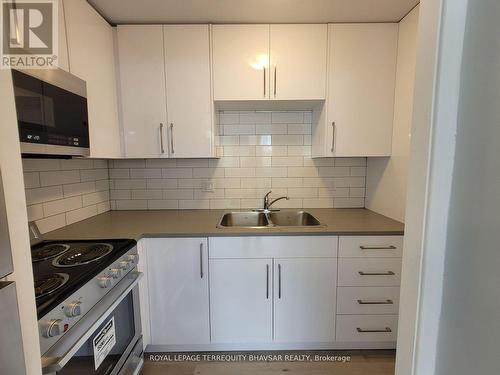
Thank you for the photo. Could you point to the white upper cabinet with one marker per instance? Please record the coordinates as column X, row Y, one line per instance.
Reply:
column 360, row 105
column 167, row 109
column 298, row 62
column 142, row 84
column 91, row 57
column 276, row 62
column 189, row 101
column 63, row 46
column 241, row 62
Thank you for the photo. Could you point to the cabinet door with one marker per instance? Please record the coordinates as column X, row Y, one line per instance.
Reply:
column 298, row 62
column 361, row 89
column 63, row 45
column 241, row 62
column 189, row 104
column 304, row 295
column 178, row 291
column 142, row 83
column 92, row 58
column 241, row 300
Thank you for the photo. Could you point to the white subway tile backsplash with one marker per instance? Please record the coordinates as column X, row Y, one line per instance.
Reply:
column 252, row 117
column 288, row 117
column 31, row 180
column 62, row 205
column 147, row 194
column 119, row 173
column 259, row 151
column 80, row 214
column 130, row 184
column 94, row 174
column 80, row 188
column 163, row 204
column 145, row 173
column 45, row 194
column 271, row 150
column 59, row 177
column 71, row 164
column 287, row 140
column 177, row 173
column 35, row 212
column 72, row 190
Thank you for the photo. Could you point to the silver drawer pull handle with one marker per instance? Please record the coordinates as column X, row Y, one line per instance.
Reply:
column 384, row 330
column 386, row 302
column 390, row 247
column 388, row 273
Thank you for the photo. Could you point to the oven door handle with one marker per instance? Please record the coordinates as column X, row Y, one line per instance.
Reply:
column 60, row 354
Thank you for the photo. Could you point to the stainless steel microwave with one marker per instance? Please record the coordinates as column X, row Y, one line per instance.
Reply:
column 52, row 112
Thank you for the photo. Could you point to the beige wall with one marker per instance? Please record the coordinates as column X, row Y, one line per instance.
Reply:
column 386, row 179
column 12, row 175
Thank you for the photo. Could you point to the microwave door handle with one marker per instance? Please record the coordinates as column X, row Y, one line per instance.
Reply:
column 60, row 354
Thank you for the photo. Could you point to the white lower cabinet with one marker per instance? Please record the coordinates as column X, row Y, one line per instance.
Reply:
column 367, row 328
column 304, row 299
column 273, row 292
column 262, row 294
column 177, row 273
column 241, row 300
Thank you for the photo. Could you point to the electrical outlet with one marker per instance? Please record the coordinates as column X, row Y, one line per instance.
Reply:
column 208, row 186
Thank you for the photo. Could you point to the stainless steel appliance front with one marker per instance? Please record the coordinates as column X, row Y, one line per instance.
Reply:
column 52, row 112
column 107, row 340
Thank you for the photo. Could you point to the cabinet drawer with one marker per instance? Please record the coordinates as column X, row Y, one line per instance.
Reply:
column 370, row 246
column 369, row 271
column 273, row 247
column 366, row 328
column 368, row 300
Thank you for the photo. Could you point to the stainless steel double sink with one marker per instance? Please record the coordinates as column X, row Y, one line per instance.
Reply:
column 253, row 219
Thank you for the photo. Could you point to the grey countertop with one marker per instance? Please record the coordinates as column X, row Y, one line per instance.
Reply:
column 203, row 223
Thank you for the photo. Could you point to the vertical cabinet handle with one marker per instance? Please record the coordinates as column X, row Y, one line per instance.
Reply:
column 267, row 281
column 264, row 82
column 161, row 139
column 275, row 81
column 333, row 136
column 172, row 138
column 279, row 281
column 201, row 260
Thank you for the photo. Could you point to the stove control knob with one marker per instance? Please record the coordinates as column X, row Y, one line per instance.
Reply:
column 116, row 273
column 73, row 309
column 132, row 258
column 105, row 281
column 124, row 265
column 53, row 328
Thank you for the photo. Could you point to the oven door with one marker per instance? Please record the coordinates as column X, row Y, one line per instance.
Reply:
column 107, row 341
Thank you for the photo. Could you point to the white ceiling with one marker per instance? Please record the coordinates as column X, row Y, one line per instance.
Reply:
column 252, row 11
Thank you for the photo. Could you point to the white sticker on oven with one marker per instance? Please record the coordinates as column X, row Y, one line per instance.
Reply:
column 104, row 342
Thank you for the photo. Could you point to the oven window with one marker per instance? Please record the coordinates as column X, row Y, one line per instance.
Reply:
column 121, row 321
